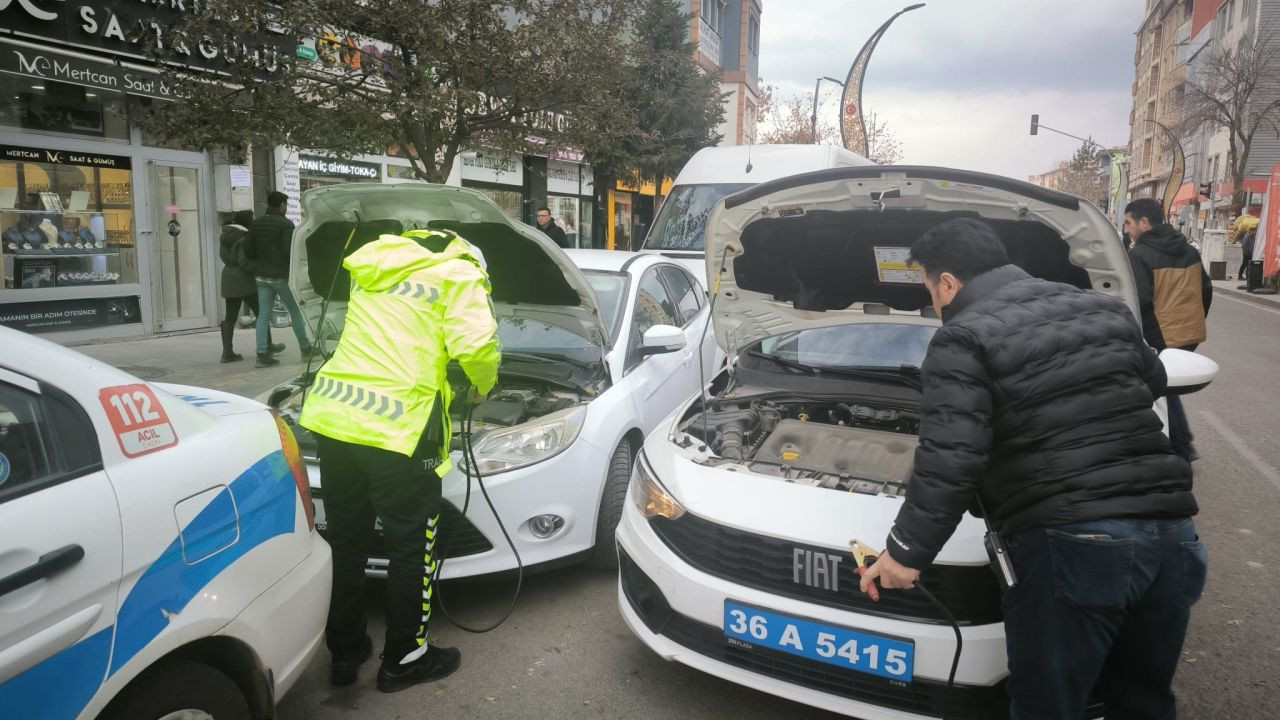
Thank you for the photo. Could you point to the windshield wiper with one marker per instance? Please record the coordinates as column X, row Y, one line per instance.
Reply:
column 789, row 364
column 909, row 375
column 527, row 357
column 549, row 359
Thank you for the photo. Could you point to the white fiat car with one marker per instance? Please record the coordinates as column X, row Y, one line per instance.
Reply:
column 158, row 557
column 734, row 550
column 597, row 348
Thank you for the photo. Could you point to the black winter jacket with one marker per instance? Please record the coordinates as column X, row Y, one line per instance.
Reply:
column 237, row 268
column 1174, row 291
column 556, row 233
column 1038, row 395
column 270, row 243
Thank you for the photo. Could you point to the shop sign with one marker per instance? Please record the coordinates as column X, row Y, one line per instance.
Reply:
column 562, row 178
column 132, row 29
column 311, row 165
column 53, row 65
column 63, row 157
column 347, row 55
column 62, row 315
column 493, row 167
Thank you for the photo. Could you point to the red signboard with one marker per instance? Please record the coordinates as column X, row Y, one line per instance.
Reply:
column 138, row 420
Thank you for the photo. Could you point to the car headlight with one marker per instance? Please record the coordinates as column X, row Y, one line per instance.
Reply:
column 523, row 445
column 649, row 496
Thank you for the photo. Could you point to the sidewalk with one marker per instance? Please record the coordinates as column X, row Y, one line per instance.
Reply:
column 192, row 359
column 1230, row 289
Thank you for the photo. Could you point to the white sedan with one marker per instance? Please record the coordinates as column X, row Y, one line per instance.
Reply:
column 597, row 348
column 159, row 557
column 735, row 549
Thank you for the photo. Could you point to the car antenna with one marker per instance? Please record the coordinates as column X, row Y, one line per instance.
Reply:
column 749, row 165
column 702, row 369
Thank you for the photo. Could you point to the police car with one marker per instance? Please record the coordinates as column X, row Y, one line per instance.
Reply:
column 734, row 549
column 158, row 557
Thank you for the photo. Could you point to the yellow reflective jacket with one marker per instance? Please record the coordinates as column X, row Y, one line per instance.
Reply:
column 411, row 311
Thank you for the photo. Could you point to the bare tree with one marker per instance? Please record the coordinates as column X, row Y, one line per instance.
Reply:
column 1237, row 89
column 883, row 146
column 789, row 120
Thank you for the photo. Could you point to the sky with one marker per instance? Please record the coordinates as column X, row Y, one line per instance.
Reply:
column 958, row 80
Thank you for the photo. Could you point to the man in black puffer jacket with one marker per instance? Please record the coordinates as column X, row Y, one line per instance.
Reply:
column 1038, row 399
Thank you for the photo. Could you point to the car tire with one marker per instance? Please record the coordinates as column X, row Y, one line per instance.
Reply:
column 180, row 690
column 604, row 556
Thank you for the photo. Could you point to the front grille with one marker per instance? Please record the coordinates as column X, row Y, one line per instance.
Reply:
column 458, row 537
column 924, row 697
column 765, row 563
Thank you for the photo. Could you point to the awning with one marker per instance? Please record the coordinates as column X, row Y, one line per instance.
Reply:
column 1186, row 194
column 1252, row 185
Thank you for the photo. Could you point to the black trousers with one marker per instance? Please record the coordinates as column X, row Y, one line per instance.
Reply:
column 233, row 306
column 361, row 484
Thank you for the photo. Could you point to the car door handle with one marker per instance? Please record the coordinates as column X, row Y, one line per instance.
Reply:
column 51, row 563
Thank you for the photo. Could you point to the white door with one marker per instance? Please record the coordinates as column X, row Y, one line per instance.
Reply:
column 60, row 553
column 664, row 380
column 178, row 247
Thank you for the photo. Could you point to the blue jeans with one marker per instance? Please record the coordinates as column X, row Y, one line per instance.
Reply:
column 1100, row 604
column 268, row 289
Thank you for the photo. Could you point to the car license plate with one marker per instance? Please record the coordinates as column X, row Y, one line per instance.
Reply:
column 872, row 654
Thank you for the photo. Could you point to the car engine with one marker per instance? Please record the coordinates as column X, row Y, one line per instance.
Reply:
column 516, row 402
column 842, row 446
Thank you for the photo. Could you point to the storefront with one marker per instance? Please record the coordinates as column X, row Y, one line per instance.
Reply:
column 104, row 231
column 570, row 187
column 631, row 212
column 500, row 176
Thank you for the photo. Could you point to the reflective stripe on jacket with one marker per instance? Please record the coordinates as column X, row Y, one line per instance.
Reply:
column 411, row 311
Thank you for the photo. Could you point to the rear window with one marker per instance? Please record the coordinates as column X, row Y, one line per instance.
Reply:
column 682, row 222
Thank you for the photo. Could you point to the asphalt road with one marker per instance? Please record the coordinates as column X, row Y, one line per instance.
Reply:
column 565, row 653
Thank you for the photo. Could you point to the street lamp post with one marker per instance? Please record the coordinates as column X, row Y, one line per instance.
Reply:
column 813, row 120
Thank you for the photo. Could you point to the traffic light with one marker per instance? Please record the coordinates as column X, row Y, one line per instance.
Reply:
column 1206, row 189
column 1035, row 124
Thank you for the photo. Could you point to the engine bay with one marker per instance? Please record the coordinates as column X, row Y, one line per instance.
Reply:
column 846, row 446
column 515, row 402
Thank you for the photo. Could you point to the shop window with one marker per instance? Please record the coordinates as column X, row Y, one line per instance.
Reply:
column 566, row 211
column 54, row 107
column 511, row 201
column 66, row 224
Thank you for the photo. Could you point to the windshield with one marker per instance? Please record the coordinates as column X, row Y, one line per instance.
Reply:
column 608, row 288
column 531, row 337
column 861, row 345
column 682, row 222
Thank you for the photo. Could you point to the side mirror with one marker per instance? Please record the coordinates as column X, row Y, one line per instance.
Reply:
column 662, row 339
column 1188, row 372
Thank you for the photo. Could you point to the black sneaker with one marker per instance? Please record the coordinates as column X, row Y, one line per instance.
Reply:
column 437, row 664
column 277, row 348
column 342, row 670
column 265, row 360
column 231, row 357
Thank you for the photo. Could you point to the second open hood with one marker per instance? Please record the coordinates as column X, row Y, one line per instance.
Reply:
column 830, row 247
column 526, row 268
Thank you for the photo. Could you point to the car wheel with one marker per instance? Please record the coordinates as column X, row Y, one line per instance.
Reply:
column 604, row 556
column 180, row 690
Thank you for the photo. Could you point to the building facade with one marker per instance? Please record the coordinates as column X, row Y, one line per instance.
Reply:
column 1160, row 75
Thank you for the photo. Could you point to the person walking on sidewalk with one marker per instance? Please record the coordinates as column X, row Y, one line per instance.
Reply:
column 270, row 244
column 380, row 410
column 1037, row 403
column 238, row 286
column 1174, row 293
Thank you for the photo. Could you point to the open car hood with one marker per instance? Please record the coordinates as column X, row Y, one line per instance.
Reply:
column 830, row 247
column 530, row 275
